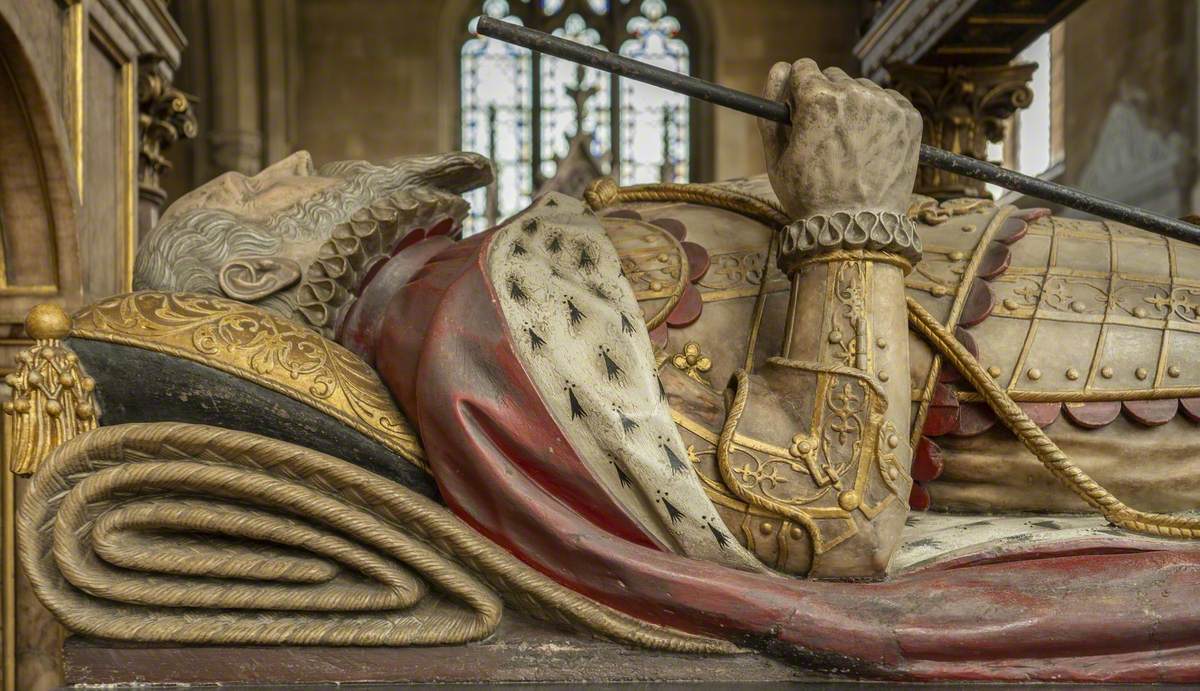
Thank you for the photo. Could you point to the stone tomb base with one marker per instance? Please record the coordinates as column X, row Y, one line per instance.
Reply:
column 522, row 651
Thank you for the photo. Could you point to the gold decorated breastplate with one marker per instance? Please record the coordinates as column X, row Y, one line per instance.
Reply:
column 1091, row 311
column 1077, row 319
column 724, row 260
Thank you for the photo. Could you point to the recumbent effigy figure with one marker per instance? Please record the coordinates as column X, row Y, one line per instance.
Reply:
column 565, row 373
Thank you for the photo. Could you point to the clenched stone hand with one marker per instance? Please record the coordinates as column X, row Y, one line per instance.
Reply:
column 852, row 145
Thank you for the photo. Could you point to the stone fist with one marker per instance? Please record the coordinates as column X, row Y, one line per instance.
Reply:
column 852, row 146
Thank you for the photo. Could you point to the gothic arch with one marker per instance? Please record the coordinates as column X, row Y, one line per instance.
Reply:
column 39, row 254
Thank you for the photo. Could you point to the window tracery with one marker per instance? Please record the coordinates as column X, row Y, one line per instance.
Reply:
column 522, row 109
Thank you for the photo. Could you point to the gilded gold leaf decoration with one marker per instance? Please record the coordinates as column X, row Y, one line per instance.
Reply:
column 257, row 346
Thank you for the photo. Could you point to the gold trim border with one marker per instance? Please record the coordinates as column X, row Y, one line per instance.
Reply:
column 76, row 31
column 964, row 289
column 8, row 552
column 1112, row 396
column 129, row 142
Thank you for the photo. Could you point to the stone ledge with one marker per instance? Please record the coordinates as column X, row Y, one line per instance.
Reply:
column 521, row 652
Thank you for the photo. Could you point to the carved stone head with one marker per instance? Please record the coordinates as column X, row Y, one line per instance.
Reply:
column 296, row 240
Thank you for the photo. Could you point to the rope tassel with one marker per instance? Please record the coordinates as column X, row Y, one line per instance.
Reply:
column 52, row 400
column 1052, row 457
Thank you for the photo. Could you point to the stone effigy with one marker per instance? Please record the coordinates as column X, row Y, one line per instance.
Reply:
column 383, row 434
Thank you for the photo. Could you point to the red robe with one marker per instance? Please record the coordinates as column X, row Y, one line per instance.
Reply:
column 1119, row 608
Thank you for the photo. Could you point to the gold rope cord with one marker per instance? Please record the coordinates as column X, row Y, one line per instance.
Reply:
column 1162, row 525
column 956, row 307
column 193, row 534
column 605, row 192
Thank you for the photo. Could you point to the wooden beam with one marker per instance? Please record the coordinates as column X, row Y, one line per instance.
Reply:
column 1008, row 19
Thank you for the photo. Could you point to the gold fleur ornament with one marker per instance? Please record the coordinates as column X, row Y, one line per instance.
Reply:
column 692, row 362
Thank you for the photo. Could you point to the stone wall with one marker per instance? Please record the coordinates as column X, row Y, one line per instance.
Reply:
column 752, row 36
column 1130, row 101
column 376, row 79
column 370, row 78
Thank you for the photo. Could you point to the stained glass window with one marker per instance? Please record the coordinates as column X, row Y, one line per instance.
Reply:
column 522, row 109
column 497, row 117
column 559, row 85
column 653, row 118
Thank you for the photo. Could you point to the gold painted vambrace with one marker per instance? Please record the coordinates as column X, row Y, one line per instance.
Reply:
column 817, row 437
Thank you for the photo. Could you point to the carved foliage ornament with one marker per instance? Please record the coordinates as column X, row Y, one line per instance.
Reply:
column 927, row 210
column 257, row 346
column 963, row 108
column 164, row 117
column 692, row 362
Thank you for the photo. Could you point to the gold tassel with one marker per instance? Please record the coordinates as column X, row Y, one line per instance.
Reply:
column 52, row 398
column 601, row 193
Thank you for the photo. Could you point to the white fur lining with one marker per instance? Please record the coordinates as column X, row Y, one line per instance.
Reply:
column 578, row 331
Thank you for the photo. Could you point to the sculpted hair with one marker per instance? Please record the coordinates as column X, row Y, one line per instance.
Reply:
column 186, row 253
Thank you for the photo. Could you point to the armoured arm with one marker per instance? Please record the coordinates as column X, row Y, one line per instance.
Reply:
column 844, row 172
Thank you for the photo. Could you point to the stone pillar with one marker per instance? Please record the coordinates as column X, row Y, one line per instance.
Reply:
column 164, row 117
column 234, row 128
column 963, row 109
column 243, row 65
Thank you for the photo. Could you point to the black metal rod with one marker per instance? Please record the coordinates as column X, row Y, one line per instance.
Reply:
column 779, row 112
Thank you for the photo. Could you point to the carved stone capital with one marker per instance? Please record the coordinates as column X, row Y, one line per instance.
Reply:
column 963, row 109
column 164, row 117
column 872, row 231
